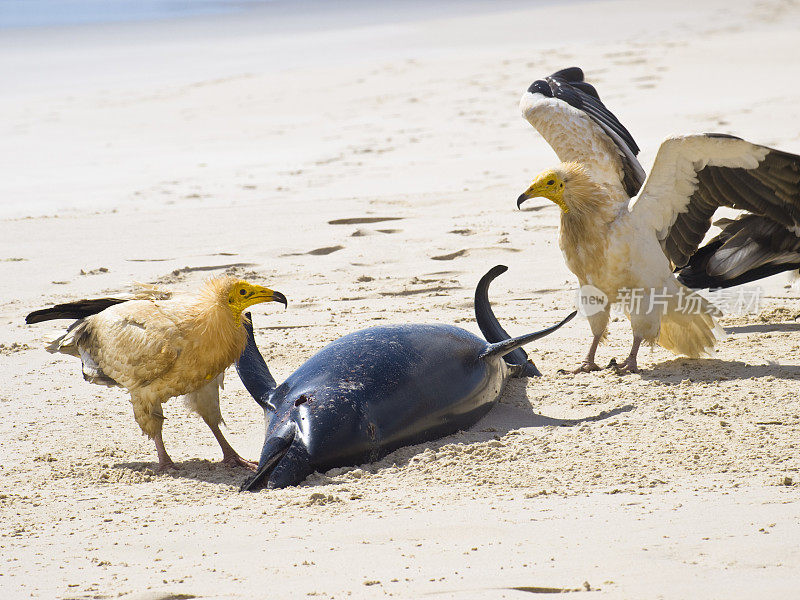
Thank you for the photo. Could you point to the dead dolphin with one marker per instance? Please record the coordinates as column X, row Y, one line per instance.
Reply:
column 378, row 389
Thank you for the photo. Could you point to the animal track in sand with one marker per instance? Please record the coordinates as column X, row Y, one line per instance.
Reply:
column 364, row 232
column 450, row 256
column 212, row 268
column 179, row 274
column 324, row 251
column 435, row 289
column 466, row 251
column 362, row 220
column 149, row 259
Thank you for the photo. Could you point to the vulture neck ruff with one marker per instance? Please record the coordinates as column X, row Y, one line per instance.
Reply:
column 584, row 228
column 215, row 319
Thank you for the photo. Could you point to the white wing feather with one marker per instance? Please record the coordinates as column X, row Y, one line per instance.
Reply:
column 673, row 178
column 575, row 137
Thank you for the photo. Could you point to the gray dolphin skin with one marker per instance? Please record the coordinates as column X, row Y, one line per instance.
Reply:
column 378, row 389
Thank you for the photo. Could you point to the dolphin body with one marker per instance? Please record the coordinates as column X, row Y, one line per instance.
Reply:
column 379, row 389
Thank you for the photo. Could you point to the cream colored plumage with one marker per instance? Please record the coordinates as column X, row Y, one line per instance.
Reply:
column 610, row 249
column 163, row 346
column 619, row 245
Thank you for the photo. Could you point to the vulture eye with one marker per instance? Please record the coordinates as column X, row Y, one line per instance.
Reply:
column 551, row 182
column 242, row 292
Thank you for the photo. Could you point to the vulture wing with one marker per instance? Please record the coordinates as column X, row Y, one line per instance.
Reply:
column 569, row 114
column 694, row 175
column 748, row 248
column 133, row 343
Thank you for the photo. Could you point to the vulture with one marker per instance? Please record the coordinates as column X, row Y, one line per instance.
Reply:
column 159, row 345
column 635, row 240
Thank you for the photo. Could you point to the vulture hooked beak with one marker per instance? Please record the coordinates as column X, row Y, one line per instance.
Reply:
column 262, row 294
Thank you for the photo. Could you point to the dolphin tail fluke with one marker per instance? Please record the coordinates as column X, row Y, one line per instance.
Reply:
column 492, row 330
column 494, row 333
column 506, row 346
column 253, row 370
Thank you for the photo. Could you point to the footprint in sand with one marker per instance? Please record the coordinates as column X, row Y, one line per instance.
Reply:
column 363, row 232
column 325, row 250
column 179, row 274
column 362, row 220
column 451, row 256
column 466, row 251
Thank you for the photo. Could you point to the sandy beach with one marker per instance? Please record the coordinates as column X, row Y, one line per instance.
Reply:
column 365, row 162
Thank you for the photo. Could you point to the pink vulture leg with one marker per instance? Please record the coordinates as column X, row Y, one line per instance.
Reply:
column 229, row 455
column 164, row 461
column 630, row 366
column 589, row 364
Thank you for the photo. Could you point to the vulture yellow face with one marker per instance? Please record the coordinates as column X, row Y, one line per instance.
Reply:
column 243, row 295
column 548, row 184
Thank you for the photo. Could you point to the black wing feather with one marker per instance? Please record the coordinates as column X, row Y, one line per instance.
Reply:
column 770, row 193
column 771, row 247
column 568, row 86
column 72, row 310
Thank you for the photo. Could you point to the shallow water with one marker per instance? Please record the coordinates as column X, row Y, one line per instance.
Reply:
column 47, row 13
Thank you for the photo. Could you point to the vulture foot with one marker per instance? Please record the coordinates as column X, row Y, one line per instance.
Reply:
column 625, row 368
column 234, row 460
column 586, row 367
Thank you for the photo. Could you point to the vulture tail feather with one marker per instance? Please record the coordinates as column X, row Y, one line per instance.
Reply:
column 72, row 310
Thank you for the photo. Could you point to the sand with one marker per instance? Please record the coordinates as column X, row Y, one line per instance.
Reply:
column 214, row 147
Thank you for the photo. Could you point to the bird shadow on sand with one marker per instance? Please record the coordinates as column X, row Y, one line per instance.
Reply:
column 764, row 328
column 196, row 468
column 713, row 369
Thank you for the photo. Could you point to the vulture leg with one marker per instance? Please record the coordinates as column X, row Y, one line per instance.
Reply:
column 598, row 322
column 588, row 365
column 164, row 461
column 629, row 364
column 205, row 402
column 148, row 414
column 229, row 455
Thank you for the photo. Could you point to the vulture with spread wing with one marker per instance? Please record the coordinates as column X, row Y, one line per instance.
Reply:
column 629, row 247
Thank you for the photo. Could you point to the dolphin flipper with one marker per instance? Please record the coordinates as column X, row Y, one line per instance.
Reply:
column 253, row 370
column 275, row 448
column 292, row 468
column 502, row 348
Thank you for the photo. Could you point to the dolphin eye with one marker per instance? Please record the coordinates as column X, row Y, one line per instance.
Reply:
column 242, row 292
column 551, row 182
